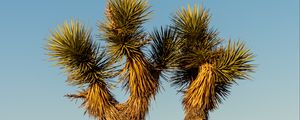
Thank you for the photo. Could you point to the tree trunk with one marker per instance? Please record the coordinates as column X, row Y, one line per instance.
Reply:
column 200, row 95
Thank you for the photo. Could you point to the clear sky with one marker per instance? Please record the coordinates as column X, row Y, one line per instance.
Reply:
column 32, row 89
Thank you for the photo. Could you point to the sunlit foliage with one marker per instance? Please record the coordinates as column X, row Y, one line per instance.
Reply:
column 207, row 69
column 188, row 53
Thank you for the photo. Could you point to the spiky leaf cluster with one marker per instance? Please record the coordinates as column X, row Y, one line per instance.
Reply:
column 123, row 28
column 165, row 47
column 199, row 42
column 205, row 88
column 72, row 47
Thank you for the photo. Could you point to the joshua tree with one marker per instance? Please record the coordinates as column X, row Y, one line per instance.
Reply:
column 207, row 69
column 75, row 51
column 203, row 68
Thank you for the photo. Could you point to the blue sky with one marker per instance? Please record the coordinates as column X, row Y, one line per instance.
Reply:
column 32, row 89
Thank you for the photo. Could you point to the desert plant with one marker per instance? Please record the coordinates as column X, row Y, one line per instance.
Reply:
column 204, row 69
column 71, row 45
column 207, row 68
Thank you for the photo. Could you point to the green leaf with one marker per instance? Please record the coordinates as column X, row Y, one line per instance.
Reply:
column 165, row 48
column 71, row 46
column 123, row 28
column 234, row 62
